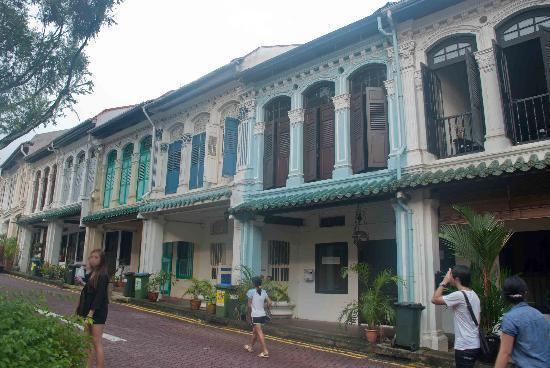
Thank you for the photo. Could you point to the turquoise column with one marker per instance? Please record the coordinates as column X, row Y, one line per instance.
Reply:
column 258, row 159
column 296, row 164
column 342, row 149
column 251, row 248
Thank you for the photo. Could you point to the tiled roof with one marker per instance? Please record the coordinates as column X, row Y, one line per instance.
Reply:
column 109, row 213
column 61, row 212
column 285, row 199
column 186, row 200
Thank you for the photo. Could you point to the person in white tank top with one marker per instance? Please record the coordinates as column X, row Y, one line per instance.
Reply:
column 257, row 300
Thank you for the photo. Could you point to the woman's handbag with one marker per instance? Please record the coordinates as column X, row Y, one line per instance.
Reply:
column 489, row 344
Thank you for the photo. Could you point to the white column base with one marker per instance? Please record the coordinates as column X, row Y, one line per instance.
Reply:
column 295, row 180
column 435, row 340
column 53, row 242
column 497, row 144
column 25, row 250
column 342, row 172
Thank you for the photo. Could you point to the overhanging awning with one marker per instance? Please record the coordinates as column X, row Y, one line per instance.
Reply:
column 61, row 212
column 186, row 200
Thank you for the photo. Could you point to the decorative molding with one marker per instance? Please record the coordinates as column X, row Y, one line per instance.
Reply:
column 158, row 134
column 177, row 132
column 296, row 116
column 259, row 127
column 486, row 60
column 390, row 87
column 164, row 147
column 247, row 110
column 418, row 81
column 341, row 102
column 406, row 54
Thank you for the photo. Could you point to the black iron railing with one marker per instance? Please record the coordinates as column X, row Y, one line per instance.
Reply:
column 530, row 119
column 456, row 135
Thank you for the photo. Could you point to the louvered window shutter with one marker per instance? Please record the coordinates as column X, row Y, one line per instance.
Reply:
column 326, row 140
column 144, row 166
column 476, row 132
column 357, row 131
column 505, row 91
column 230, row 140
column 196, row 171
column 269, row 160
column 433, row 108
column 184, row 262
column 310, row 145
column 545, row 48
column 109, row 179
column 125, row 174
column 377, row 127
column 173, row 167
column 166, row 265
column 283, row 149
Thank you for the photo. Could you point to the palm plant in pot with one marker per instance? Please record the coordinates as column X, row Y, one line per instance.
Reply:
column 195, row 290
column 374, row 306
column 278, row 293
column 208, row 292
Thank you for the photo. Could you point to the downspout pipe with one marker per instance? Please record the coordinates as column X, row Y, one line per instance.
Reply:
column 153, row 150
column 402, row 205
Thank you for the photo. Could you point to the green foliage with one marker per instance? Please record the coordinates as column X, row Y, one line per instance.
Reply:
column 9, row 249
column 480, row 241
column 277, row 291
column 31, row 339
column 374, row 306
column 53, row 272
column 43, row 64
column 208, row 291
column 157, row 280
column 195, row 288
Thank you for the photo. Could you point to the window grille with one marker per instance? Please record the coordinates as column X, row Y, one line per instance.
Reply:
column 217, row 258
column 278, row 260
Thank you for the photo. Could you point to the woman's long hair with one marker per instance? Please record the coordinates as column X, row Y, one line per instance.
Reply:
column 100, row 269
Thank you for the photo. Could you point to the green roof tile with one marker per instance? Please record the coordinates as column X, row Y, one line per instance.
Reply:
column 112, row 213
column 61, row 212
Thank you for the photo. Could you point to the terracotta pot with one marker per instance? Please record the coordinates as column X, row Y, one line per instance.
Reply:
column 195, row 304
column 152, row 296
column 211, row 308
column 372, row 335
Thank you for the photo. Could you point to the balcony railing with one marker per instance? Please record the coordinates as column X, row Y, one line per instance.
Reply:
column 456, row 135
column 530, row 119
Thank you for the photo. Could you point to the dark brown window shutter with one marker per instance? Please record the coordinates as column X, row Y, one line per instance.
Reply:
column 326, row 140
column 310, row 144
column 377, row 127
column 269, row 171
column 476, row 101
column 433, row 108
column 283, row 151
column 505, row 92
column 357, row 131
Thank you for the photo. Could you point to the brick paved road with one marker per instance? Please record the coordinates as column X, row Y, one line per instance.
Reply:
column 158, row 341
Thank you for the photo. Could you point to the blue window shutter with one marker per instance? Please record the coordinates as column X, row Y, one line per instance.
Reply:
column 173, row 167
column 196, row 170
column 109, row 179
column 143, row 168
column 125, row 173
column 230, row 140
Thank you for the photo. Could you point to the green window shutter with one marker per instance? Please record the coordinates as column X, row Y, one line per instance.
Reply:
column 144, row 167
column 167, row 250
column 230, row 140
column 125, row 173
column 109, row 178
column 184, row 261
column 173, row 167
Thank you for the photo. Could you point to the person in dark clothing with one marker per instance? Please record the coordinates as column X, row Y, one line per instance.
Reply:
column 93, row 304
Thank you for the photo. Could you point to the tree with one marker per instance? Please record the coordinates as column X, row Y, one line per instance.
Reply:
column 43, row 64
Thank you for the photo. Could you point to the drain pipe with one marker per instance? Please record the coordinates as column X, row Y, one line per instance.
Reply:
column 153, row 150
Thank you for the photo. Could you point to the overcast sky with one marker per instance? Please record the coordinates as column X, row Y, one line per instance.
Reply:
column 161, row 45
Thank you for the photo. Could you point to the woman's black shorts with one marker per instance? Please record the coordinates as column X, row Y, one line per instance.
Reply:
column 100, row 315
column 259, row 320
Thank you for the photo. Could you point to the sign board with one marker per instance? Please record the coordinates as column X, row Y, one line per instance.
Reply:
column 331, row 260
column 138, row 283
column 220, row 298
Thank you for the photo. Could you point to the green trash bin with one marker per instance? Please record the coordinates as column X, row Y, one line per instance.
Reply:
column 141, row 285
column 130, row 286
column 70, row 272
column 407, row 325
column 36, row 267
column 226, row 301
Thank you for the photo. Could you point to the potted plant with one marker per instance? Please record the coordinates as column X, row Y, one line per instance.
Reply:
column 153, row 287
column 165, row 277
column 195, row 291
column 278, row 293
column 242, row 288
column 374, row 306
column 208, row 292
column 10, row 251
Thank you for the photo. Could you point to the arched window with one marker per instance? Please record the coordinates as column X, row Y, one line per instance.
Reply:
column 276, row 142
column 368, row 119
column 35, row 190
column 44, row 188
column 144, row 167
column 196, row 169
column 450, row 50
column 318, row 131
column 78, row 172
column 109, row 178
column 173, row 167
column 125, row 173
column 524, row 25
column 54, row 180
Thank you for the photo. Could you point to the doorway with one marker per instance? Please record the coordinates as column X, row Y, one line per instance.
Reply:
column 379, row 255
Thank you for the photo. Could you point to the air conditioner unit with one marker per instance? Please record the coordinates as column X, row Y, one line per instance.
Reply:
column 224, row 275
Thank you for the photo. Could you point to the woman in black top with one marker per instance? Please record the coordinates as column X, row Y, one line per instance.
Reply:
column 93, row 303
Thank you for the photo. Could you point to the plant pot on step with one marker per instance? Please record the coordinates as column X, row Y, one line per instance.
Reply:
column 195, row 304
column 211, row 308
column 371, row 335
column 152, row 296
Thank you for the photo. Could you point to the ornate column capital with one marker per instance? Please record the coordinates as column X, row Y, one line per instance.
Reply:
column 296, row 116
column 485, row 60
column 406, row 53
column 247, row 110
column 341, row 102
column 390, row 87
column 259, row 127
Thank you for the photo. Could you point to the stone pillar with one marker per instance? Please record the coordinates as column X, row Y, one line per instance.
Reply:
column 185, row 165
column 247, row 248
column 495, row 136
column 72, row 188
column 245, row 149
column 425, row 264
column 84, row 177
column 41, row 188
column 296, row 164
column 342, row 149
column 47, row 205
column 57, row 195
column 259, row 130
column 116, row 184
column 151, row 245
column 53, row 242
column 25, row 237
column 134, row 174
column 93, row 240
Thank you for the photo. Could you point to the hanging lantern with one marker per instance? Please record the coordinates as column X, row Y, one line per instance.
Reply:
column 358, row 234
